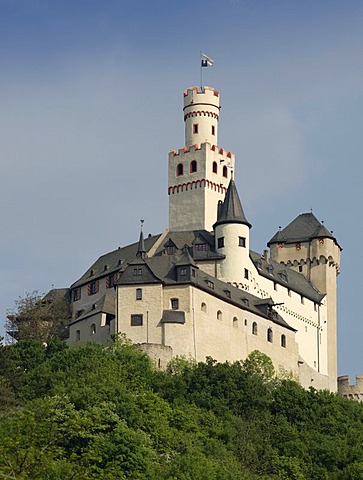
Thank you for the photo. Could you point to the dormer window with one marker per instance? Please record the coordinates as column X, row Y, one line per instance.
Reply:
column 210, row 284
column 183, row 272
column 200, row 247
column 246, row 301
column 228, row 293
column 283, row 276
column 270, row 269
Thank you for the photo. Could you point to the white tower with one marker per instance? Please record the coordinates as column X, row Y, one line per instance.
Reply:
column 232, row 236
column 198, row 173
column 308, row 247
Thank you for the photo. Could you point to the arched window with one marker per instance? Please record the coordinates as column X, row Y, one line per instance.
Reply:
column 225, row 171
column 283, row 341
column 235, row 322
column 269, row 335
column 193, row 166
column 78, row 335
column 219, row 315
column 215, row 167
column 139, row 294
column 93, row 328
column 203, row 307
column 179, row 169
column 254, row 328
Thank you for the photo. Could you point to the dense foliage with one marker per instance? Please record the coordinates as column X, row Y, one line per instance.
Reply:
column 105, row 413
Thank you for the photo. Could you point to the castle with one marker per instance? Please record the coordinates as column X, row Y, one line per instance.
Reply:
column 197, row 289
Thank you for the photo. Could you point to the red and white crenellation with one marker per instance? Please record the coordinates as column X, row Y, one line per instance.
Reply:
column 199, row 173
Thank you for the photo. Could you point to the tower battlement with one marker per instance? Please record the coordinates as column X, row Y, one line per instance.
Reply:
column 354, row 391
column 203, row 146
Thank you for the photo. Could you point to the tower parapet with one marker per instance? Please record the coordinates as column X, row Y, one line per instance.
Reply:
column 355, row 391
column 201, row 115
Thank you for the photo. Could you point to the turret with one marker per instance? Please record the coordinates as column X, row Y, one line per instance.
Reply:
column 232, row 236
column 308, row 247
column 201, row 115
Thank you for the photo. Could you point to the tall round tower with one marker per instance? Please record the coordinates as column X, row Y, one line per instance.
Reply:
column 198, row 173
column 201, row 115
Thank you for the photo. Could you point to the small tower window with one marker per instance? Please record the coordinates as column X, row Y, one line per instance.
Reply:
column 203, row 307
column 179, row 169
column 269, row 335
column 300, row 268
column 215, row 167
column 225, row 171
column 220, row 242
column 254, row 328
column 193, row 166
column 242, row 242
column 235, row 322
column 219, row 315
column 213, row 130
column 283, row 341
column 195, row 128
column 246, row 274
column 174, row 303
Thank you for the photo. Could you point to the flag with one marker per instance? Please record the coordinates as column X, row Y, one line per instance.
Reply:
column 206, row 61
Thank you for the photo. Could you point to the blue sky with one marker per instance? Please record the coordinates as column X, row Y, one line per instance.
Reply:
column 91, row 103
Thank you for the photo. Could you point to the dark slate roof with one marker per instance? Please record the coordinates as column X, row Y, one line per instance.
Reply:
column 192, row 238
column 287, row 277
column 114, row 261
column 231, row 210
column 105, row 304
column 173, row 316
column 304, row 228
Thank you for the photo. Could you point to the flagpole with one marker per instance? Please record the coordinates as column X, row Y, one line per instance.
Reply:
column 201, row 71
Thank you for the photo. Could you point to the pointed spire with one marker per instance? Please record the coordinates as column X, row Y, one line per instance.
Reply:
column 141, row 251
column 231, row 211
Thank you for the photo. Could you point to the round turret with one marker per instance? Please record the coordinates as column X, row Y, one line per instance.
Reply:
column 201, row 115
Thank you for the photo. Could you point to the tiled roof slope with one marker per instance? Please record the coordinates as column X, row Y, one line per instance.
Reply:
column 305, row 227
column 114, row 261
column 287, row 277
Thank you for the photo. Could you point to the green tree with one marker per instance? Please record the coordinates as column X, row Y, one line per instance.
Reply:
column 40, row 317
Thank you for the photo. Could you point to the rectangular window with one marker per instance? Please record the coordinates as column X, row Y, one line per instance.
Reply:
column 275, row 286
column 193, row 272
column 136, row 320
column 195, row 128
column 111, row 280
column 93, row 288
column 210, row 284
column 183, row 272
column 220, row 242
column 76, row 294
column 242, row 242
column 174, row 303
column 246, row 274
column 139, row 294
column 213, row 130
column 200, row 247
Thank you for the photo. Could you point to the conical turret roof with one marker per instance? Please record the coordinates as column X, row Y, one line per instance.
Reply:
column 231, row 211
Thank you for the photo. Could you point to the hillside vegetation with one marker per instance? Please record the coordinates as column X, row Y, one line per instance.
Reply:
column 105, row 413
